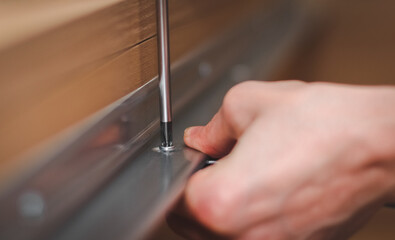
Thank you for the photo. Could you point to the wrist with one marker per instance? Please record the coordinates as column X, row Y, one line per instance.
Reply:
column 380, row 124
column 380, row 133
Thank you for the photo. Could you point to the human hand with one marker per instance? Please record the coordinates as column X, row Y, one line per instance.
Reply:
column 297, row 160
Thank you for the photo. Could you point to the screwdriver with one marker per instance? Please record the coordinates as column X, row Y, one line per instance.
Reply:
column 166, row 130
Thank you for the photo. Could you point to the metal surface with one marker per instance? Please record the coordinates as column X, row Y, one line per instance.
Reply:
column 164, row 75
column 128, row 207
column 113, row 153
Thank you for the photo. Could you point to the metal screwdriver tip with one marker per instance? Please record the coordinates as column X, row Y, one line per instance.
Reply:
column 166, row 130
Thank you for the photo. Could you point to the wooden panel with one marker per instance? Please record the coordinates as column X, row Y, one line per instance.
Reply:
column 33, row 67
column 20, row 20
column 48, row 84
column 355, row 45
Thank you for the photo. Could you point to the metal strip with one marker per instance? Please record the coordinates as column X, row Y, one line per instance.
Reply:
column 41, row 203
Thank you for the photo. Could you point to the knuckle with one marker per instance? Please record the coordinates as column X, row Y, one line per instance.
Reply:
column 237, row 97
column 241, row 90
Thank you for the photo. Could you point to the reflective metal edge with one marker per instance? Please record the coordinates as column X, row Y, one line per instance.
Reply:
column 40, row 205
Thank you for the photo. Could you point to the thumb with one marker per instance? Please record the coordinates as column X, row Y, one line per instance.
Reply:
column 238, row 110
column 216, row 139
column 240, row 107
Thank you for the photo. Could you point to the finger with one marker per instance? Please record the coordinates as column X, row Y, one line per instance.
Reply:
column 216, row 139
column 223, row 196
column 217, row 197
column 238, row 110
column 182, row 222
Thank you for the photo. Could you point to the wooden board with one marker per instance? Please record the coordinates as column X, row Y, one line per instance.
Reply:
column 56, row 78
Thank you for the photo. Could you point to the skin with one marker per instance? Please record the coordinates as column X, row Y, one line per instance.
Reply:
column 297, row 161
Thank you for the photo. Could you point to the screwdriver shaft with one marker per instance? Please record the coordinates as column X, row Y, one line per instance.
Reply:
column 164, row 74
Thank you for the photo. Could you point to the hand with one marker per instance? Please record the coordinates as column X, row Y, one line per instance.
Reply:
column 297, row 160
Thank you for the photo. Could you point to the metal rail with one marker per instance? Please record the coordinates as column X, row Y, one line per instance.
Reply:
column 61, row 199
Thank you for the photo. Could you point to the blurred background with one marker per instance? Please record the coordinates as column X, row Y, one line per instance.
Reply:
column 355, row 44
column 63, row 61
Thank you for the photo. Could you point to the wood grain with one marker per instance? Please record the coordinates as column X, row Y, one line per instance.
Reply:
column 62, row 76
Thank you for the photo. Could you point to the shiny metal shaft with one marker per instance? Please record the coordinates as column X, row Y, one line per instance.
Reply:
column 164, row 74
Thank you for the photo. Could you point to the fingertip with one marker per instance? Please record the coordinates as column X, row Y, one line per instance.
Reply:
column 190, row 135
column 187, row 132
